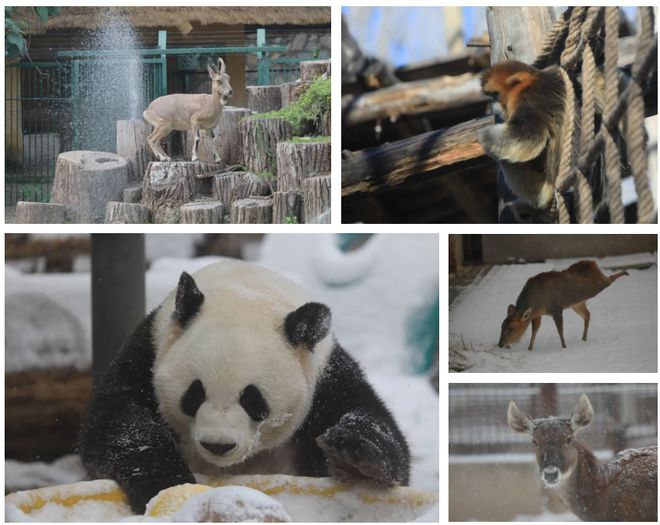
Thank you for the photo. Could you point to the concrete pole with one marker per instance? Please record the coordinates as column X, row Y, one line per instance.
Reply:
column 118, row 294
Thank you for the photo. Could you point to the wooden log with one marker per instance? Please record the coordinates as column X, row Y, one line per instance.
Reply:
column 126, row 213
column 253, row 210
column 298, row 160
column 40, row 213
column 202, row 212
column 232, row 186
column 287, row 206
column 260, row 137
column 43, row 412
column 413, row 98
column 85, row 181
column 291, row 91
column 133, row 146
column 228, row 138
column 132, row 194
column 168, row 185
column 316, row 199
column 393, row 164
column 310, row 69
column 262, row 99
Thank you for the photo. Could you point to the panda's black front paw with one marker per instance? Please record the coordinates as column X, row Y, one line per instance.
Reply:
column 356, row 448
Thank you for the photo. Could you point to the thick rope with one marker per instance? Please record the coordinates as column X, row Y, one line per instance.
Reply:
column 635, row 136
column 571, row 46
column 612, row 159
column 585, row 202
column 566, row 158
column 554, row 41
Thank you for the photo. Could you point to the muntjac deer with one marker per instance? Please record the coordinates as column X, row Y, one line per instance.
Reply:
column 623, row 489
column 189, row 112
column 549, row 293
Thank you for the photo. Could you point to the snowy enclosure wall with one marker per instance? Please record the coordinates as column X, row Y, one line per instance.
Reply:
column 478, row 425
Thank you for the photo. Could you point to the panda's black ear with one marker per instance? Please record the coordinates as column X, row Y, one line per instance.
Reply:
column 308, row 325
column 188, row 300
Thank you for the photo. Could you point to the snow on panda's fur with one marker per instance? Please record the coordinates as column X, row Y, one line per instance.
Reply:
column 237, row 372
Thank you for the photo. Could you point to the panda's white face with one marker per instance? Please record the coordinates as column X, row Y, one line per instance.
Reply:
column 229, row 382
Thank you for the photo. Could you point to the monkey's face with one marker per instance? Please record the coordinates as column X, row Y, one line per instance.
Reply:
column 514, row 326
column 505, row 82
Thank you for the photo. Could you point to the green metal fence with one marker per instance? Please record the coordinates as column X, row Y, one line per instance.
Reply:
column 51, row 107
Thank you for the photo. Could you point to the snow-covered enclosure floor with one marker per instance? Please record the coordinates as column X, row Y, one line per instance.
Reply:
column 622, row 332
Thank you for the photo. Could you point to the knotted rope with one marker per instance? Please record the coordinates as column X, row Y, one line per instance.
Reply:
column 571, row 42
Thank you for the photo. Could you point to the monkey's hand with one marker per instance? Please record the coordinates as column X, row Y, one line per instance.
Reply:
column 512, row 143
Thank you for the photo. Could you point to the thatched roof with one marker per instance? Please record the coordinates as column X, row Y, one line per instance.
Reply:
column 179, row 17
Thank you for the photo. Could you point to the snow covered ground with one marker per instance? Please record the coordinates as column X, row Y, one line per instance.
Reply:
column 373, row 293
column 622, row 333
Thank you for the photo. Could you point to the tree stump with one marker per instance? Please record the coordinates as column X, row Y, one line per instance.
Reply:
column 297, row 161
column 203, row 212
column 40, row 213
column 260, row 137
column 291, row 91
column 168, row 185
column 253, row 210
column 235, row 185
column 310, row 69
column 126, row 213
column 85, row 181
column 316, row 199
column 228, row 139
column 262, row 99
column 132, row 194
column 133, row 146
column 287, row 205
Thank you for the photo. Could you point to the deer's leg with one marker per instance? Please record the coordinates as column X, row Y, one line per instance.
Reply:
column 581, row 310
column 559, row 321
column 196, row 134
column 216, row 155
column 154, row 139
column 536, row 322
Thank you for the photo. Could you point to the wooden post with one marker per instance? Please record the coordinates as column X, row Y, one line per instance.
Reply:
column 262, row 99
column 203, row 212
column 133, row 146
column 520, row 40
column 316, row 199
column 126, row 213
column 254, row 210
column 168, row 185
column 310, row 69
column 118, row 294
column 297, row 161
column 260, row 137
column 40, row 213
column 287, row 205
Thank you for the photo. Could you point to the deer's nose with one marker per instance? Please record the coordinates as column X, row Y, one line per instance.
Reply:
column 219, row 449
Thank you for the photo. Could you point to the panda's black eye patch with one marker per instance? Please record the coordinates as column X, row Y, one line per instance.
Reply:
column 193, row 398
column 254, row 403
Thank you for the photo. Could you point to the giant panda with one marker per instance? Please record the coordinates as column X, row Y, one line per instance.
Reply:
column 237, row 372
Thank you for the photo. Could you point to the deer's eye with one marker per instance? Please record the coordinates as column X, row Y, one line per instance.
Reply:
column 568, row 440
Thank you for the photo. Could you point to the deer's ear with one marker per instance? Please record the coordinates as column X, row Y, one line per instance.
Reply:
column 511, row 310
column 583, row 414
column 519, row 421
column 211, row 70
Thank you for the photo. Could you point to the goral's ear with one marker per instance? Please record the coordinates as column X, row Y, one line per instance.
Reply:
column 188, row 300
column 308, row 325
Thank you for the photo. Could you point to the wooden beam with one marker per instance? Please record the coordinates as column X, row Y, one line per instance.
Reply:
column 393, row 164
column 413, row 98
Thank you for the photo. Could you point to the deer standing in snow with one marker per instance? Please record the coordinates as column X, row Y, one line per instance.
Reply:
column 189, row 112
column 623, row 489
column 549, row 293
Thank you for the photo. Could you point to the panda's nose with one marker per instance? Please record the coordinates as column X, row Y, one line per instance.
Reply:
column 219, row 449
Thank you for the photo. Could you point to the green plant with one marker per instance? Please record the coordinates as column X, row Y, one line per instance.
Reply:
column 318, row 139
column 15, row 44
column 266, row 175
column 292, row 220
column 310, row 108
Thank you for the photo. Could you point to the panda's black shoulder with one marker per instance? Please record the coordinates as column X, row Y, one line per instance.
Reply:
column 341, row 388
